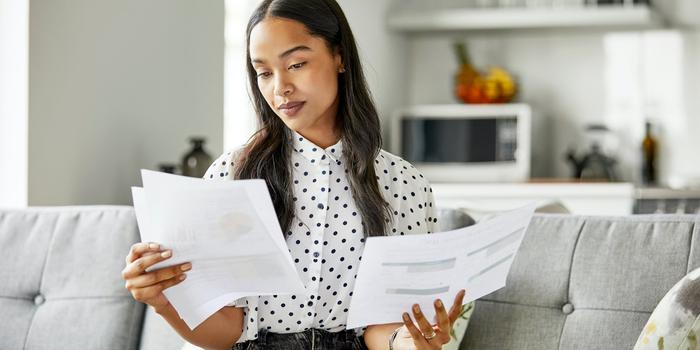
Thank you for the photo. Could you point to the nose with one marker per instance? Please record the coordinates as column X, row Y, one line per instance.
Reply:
column 283, row 87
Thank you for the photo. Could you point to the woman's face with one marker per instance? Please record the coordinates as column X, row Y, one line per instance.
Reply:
column 297, row 74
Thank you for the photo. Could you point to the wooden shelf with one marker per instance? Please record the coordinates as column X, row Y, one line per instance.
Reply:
column 461, row 19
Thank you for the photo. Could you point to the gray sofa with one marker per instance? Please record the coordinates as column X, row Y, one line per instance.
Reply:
column 577, row 282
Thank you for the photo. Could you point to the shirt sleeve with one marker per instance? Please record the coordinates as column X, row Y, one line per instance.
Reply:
column 221, row 168
column 413, row 202
column 431, row 219
column 250, row 317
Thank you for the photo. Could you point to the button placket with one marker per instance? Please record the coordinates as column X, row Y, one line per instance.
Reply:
column 322, row 166
column 324, row 195
column 321, row 210
column 317, row 180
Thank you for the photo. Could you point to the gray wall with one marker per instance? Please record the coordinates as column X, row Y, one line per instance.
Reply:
column 116, row 86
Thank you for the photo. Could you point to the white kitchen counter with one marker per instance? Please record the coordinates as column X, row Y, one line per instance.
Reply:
column 579, row 198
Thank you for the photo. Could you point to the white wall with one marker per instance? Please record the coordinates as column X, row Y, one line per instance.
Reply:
column 383, row 55
column 14, row 46
column 563, row 77
column 687, row 163
column 560, row 73
column 116, row 86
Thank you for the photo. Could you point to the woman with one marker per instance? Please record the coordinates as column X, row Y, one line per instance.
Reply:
column 319, row 150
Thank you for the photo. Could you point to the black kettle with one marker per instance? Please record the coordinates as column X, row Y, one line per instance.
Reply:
column 593, row 165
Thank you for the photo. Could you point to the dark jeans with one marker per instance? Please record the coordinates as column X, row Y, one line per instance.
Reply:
column 316, row 339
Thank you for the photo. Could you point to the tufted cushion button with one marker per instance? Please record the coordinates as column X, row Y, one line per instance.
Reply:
column 39, row 299
column 567, row 308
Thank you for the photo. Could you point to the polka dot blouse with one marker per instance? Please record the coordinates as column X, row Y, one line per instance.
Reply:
column 326, row 238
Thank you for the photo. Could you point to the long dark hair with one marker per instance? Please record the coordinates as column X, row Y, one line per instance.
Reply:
column 268, row 152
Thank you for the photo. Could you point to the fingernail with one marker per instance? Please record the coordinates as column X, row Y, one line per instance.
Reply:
column 166, row 254
column 438, row 303
column 153, row 246
column 182, row 277
column 186, row 266
column 416, row 309
column 405, row 316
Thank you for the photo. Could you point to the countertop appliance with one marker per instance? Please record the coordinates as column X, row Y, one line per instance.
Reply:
column 465, row 143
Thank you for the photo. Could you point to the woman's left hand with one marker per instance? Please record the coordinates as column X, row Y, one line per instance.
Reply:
column 421, row 335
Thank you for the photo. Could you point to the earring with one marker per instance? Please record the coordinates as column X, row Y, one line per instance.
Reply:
column 342, row 70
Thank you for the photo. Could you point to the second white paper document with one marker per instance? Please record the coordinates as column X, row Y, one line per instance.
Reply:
column 399, row 271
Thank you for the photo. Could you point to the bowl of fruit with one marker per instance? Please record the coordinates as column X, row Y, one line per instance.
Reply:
column 472, row 86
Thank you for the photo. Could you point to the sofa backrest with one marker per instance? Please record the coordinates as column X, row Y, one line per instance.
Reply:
column 60, row 278
column 585, row 282
column 577, row 282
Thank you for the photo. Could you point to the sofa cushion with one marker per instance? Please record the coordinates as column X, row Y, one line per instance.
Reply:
column 629, row 264
column 585, row 282
column 60, row 280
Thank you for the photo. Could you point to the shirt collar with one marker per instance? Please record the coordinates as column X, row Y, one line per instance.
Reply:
column 314, row 153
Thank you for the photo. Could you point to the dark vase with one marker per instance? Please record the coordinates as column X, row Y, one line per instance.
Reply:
column 196, row 162
column 167, row 168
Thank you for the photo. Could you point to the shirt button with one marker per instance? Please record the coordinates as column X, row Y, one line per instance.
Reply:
column 320, row 206
column 316, row 254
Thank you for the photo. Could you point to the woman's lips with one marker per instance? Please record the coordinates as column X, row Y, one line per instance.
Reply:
column 291, row 109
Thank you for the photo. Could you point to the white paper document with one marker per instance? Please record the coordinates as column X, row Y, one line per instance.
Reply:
column 399, row 271
column 228, row 230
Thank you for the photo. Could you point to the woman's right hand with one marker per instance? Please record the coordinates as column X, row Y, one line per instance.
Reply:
column 148, row 287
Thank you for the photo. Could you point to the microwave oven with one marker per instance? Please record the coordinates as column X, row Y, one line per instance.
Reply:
column 465, row 143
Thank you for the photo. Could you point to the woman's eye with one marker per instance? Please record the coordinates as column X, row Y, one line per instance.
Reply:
column 264, row 75
column 298, row 65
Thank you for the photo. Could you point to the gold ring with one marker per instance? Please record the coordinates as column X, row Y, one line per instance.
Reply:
column 428, row 337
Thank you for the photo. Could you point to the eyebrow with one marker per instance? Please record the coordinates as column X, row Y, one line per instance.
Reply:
column 286, row 53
